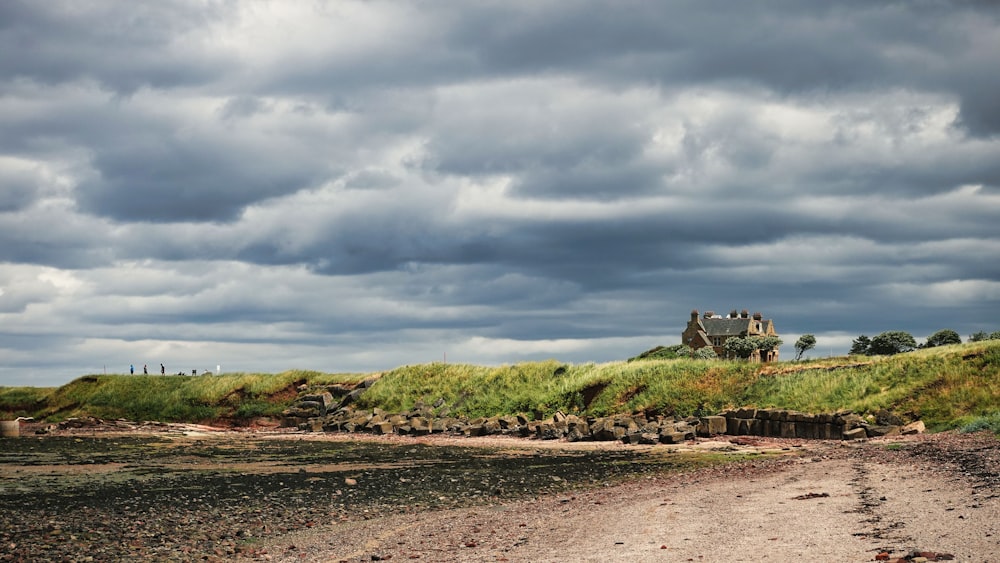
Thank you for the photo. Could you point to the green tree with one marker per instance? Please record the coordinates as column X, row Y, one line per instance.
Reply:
column 892, row 342
column 979, row 336
column 860, row 346
column 943, row 338
column 995, row 335
column 767, row 343
column 739, row 347
column 805, row 343
column 744, row 347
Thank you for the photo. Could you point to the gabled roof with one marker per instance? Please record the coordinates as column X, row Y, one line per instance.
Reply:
column 725, row 327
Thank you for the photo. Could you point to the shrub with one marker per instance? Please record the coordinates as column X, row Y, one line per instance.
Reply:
column 989, row 422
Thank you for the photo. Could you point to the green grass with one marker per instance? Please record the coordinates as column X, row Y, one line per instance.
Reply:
column 22, row 401
column 178, row 398
column 946, row 387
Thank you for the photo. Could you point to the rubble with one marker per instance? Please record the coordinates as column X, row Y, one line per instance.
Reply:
column 322, row 412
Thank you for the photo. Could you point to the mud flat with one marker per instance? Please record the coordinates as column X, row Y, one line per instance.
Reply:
column 186, row 493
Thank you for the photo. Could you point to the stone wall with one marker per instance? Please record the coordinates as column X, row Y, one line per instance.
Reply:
column 331, row 410
column 841, row 425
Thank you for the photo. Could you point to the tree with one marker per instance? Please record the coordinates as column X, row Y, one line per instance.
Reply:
column 805, row 343
column 860, row 346
column 891, row 342
column 739, row 347
column 744, row 347
column 767, row 343
column 982, row 335
column 942, row 338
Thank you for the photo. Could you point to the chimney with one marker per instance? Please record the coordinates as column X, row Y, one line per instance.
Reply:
column 745, row 314
column 694, row 314
column 732, row 314
column 757, row 316
column 709, row 314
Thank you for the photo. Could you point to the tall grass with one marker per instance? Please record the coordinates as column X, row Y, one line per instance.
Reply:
column 182, row 398
column 943, row 386
column 939, row 385
column 22, row 401
column 946, row 387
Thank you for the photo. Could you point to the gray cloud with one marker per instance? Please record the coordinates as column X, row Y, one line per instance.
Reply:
column 354, row 186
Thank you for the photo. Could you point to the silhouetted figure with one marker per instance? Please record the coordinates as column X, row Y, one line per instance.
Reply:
column 163, row 370
column 144, row 370
column 131, row 369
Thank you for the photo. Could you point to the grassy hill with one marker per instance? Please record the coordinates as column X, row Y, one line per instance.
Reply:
column 946, row 387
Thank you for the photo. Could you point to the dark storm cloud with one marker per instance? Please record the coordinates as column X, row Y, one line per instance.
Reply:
column 356, row 185
column 790, row 47
column 171, row 180
column 121, row 47
column 18, row 190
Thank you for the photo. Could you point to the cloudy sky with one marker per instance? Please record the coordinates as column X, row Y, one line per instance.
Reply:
column 353, row 186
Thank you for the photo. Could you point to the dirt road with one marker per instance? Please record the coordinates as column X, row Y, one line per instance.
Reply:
column 839, row 503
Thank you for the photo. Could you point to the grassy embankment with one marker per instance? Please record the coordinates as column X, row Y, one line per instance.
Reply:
column 237, row 396
column 946, row 387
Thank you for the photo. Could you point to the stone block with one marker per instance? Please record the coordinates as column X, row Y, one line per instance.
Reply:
column 667, row 437
column 854, row 434
column 711, row 425
column 743, row 428
column 917, row 427
column 732, row 426
column 882, row 430
column 787, row 429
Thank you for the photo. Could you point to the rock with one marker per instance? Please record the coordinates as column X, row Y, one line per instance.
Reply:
column 886, row 418
column 913, row 428
column 854, row 434
column 648, row 438
column 671, row 437
column 711, row 425
column 876, row 431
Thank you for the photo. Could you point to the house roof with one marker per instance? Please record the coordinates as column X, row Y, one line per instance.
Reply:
column 725, row 327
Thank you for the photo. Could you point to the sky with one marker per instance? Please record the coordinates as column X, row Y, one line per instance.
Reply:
column 355, row 186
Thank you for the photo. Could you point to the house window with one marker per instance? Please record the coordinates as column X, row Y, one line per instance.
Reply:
column 716, row 340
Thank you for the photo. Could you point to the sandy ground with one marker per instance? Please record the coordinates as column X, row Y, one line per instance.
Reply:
column 838, row 502
column 883, row 499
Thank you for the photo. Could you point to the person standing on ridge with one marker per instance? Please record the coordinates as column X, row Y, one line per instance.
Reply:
column 144, row 370
column 131, row 369
column 163, row 370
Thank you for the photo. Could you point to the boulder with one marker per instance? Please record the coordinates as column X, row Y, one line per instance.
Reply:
column 916, row 427
column 667, row 437
column 854, row 434
column 711, row 425
column 882, row 430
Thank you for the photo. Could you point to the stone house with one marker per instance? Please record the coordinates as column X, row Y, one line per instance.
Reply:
column 713, row 330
